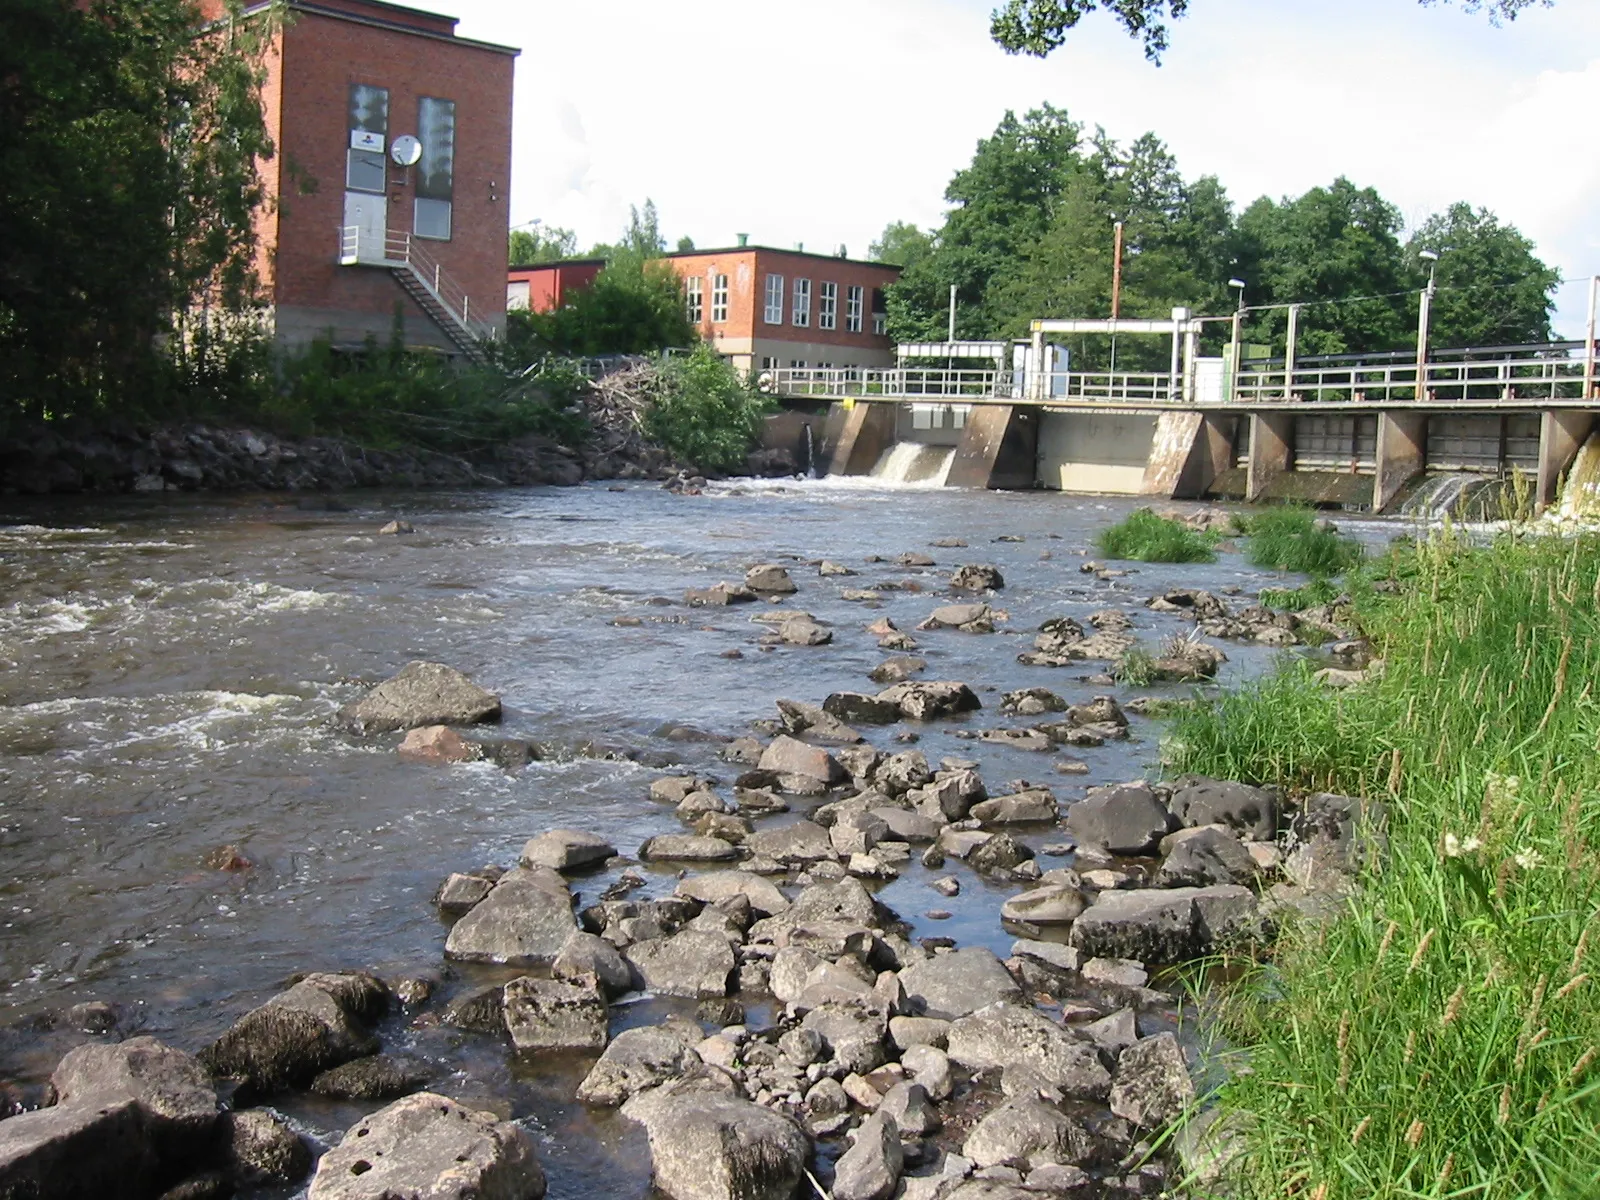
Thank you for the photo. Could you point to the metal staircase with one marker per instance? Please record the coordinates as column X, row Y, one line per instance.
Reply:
column 424, row 280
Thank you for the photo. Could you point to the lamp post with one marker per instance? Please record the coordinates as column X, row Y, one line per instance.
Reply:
column 1424, row 311
column 1238, row 330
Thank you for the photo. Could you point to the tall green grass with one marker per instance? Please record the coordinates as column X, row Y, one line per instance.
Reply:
column 1144, row 537
column 1440, row 1038
column 1289, row 539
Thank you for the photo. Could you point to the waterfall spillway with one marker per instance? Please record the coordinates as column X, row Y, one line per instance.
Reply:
column 811, row 455
column 915, row 463
column 1438, row 496
column 1580, row 495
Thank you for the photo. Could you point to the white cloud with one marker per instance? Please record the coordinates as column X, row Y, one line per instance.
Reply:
column 820, row 122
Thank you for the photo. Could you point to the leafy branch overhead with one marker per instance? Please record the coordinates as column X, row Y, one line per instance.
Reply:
column 1037, row 27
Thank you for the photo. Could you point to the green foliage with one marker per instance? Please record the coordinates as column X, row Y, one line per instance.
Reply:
column 1492, row 288
column 1145, row 537
column 705, row 412
column 901, row 244
column 634, row 306
column 128, row 189
column 541, row 244
column 1290, row 539
column 1439, row 1037
column 1037, row 27
column 1309, row 595
column 1136, row 667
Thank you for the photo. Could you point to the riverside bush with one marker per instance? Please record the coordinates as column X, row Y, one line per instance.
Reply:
column 1289, row 539
column 1440, row 1037
column 1145, row 537
column 704, row 412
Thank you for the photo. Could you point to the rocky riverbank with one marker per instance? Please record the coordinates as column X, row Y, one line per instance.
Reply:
column 816, row 1044
column 117, row 458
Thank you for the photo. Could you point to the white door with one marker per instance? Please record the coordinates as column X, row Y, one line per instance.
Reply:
column 366, row 223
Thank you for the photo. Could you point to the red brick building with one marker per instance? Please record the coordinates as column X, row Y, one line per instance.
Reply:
column 549, row 285
column 391, row 177
column 767, row 308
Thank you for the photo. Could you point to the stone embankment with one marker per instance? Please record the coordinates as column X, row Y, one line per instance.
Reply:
column 893, row 1066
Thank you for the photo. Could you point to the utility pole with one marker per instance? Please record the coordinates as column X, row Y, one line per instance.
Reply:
column 1238, row 332
column 1588, row 339
column 1116, row 271
column 1288, row 352
column 952, row 336
column 1424, row 312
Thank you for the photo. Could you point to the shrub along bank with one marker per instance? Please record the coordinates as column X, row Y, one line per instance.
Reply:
column 1440, row 1036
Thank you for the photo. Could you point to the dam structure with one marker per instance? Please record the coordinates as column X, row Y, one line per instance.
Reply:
column 1361, row 431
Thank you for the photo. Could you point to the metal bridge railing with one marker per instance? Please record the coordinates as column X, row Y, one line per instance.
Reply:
column 1506, row 380
column 966, row 385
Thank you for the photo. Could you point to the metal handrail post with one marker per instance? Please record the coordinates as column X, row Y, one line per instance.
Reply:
column 1588, row 340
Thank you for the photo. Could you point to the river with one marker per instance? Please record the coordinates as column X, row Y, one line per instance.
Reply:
column 169, row 668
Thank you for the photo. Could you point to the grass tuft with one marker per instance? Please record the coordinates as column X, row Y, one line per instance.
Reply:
column 1289, row 539
column 1145, row 537
column 1445, row 1026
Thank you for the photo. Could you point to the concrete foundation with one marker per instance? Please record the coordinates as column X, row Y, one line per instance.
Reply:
column 997, row 448
column 1095, row 452
column 1402, row 455
column 1191, row 449
column 1271, row 451
column 865, row 432
column 1561, row 435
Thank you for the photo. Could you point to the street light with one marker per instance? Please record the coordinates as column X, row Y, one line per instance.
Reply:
column 1424, row 311
column 1238, row 323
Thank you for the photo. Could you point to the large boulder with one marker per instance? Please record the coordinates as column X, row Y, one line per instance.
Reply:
column 794, row 844
column 1153, row 1084
column 376, row 1077
column 709, row 1146
column 552, row 1014
column 423, row 693
column 566, row 850
column 586, row 956
column 955, row 984
column 788, row 756
column 972, row 617
column 870, row 1169
column 764, row 897
column 127, row 1116
column 771, row 578
column 1205, row 856
column 687, row 847
column 859, row 706
column 1126, row 819
column 1164, row 925
column 1032, row 806
column 1026, row 1132
column 1009, row 1035
column 977, row 577
column 691, row 963
column 428, row 1147
column 318, row 1023
column 523, row 922
column 927, row 700
column 816, row 721
column 635, row 1060
column 262, row 1149
column 1052, row 904
column 1251, row 812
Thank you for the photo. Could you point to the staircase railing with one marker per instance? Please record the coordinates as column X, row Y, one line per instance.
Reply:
column 399, row 250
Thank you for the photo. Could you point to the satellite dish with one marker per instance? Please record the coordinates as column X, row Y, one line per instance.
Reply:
column 405, row 151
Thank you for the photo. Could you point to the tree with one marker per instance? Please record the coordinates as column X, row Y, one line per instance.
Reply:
column 129, row 185
column 901, row 245
column 1335, row 250
column 542, row 244
column 685, row 244
column 1492, row 289
column 1002, row 203
column 634, row 306
column 1037, row 27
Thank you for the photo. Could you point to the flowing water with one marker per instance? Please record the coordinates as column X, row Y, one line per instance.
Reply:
column 914, row 463
column 169, row 671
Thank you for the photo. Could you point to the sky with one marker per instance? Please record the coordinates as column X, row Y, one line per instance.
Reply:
column 821, row 121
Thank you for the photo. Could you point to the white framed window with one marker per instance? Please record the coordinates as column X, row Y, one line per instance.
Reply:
column 852, row 309
column 828, row 306
column 719, row 299
column 694, row 299
column 801, row 310
column 880, row 323
column 768, row 363
column 773, row 309
column 797, row 364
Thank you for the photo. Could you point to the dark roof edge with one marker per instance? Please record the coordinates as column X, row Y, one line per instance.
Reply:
column 337, row 14
column 857, row 262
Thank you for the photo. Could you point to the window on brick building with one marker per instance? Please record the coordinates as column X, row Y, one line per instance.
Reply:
column 719, row 299
column 828, row 306
column 852, row 310
column 436, row 169
column 880, row 323
column 369, row 131
column 768, row 363
column 773, row 313
column 801, row 309
column 797, row 364
column 694, row 299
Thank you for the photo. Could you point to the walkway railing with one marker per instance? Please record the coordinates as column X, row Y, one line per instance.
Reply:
column 958, row 384
column 1507, row 380
column 398, row 250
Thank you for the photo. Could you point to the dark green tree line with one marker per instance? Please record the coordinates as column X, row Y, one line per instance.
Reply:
column 129, row 184
column 1030, row 234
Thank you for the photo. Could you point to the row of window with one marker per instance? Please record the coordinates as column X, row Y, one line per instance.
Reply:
column 799, row 307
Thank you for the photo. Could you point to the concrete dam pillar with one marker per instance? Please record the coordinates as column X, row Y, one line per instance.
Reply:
column 1402, row 455
column 1561, row 435
column 858, row 434
column 998, row 448
column 1271, row 451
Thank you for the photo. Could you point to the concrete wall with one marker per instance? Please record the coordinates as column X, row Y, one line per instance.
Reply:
column 1095, row 452
column 998, row 448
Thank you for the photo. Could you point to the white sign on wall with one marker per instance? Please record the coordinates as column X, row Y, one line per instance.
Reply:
column 364, row 139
